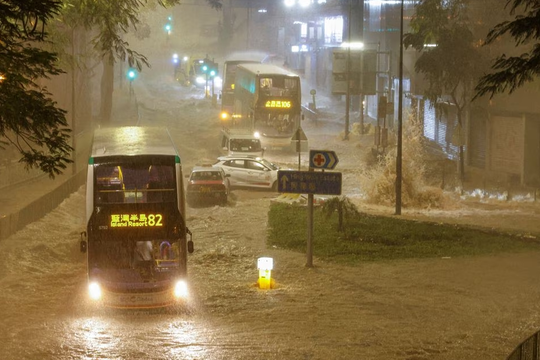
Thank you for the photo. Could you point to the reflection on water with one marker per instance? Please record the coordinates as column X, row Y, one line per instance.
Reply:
column 134, row 335
column 187, row 342
column 94, row 336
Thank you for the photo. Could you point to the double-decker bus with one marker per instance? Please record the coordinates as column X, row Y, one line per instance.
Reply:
column 227, row 90
column 267, row 98
column 136, row 239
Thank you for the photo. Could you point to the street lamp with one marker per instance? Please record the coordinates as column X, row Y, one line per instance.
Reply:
column 400, row 119
column 168, row 28
column 349, row 45
column 131, row 75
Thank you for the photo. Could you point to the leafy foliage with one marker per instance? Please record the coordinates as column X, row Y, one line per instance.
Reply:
column 343, row 207
column 29, row 118
column 112, row 20
column 452, row 64
column 514, row 71
column 216, row 4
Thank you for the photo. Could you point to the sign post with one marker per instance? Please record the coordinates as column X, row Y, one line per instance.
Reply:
column 298, row 147
column 309, row 247
column 312, row 182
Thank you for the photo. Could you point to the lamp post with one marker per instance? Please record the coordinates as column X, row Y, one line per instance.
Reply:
column 400, row 119
column 348, row 76
column 131, row 75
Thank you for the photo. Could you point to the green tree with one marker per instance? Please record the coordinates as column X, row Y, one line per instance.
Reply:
column 30, row 120
column 453, row 63
column 511, row 72
column 111, row 20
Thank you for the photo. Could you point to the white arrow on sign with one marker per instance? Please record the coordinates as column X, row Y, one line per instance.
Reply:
column 284, row 181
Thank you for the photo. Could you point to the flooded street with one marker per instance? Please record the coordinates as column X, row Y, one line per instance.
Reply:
column 449, row 309
column 419, row 309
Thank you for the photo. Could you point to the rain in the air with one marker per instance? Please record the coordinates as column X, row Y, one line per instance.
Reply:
column 269, row 179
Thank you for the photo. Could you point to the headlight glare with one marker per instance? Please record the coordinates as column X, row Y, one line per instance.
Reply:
column 181, row 289
column 94, row 290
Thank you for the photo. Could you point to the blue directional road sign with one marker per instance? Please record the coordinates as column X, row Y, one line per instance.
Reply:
column 322, row 159
column 309, row 182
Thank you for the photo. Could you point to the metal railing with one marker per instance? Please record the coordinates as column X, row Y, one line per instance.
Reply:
column 527, row 350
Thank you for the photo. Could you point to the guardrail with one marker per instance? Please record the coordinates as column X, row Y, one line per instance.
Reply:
column 310, row 114
column 527, row 350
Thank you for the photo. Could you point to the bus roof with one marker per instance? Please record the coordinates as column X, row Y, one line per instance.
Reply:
column 266, row 69
column 240, row 62
column 132, row 140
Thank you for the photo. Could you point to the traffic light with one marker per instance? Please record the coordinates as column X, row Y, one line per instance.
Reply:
column 131, row 74
column 168, row 28
column 211, row 68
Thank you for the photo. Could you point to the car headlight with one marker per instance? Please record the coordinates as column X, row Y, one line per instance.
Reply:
column 94, row 290
column 200, row 80
column 181, row 289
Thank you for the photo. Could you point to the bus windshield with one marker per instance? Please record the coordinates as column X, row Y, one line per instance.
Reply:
column 278, row 86
column 134, row 183
column 245, row 145
column 118, row 254
column 271, row 123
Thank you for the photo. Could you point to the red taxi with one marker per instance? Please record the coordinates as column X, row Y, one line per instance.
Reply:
column 207, row 184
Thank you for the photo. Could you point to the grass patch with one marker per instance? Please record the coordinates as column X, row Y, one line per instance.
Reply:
column 375, row 238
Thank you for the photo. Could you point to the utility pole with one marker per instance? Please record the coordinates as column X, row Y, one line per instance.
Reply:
column 348, row 76
column 73, row 106
column 247, row 26
column 400, row 120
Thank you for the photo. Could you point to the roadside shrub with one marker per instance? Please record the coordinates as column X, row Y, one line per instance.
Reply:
column 344, row 208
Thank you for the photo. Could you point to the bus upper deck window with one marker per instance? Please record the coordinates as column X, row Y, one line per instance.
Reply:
column 266, row 83
column 160, row 176
column 109, row 184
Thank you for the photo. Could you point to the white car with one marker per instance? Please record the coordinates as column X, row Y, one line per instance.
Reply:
column 249, row 171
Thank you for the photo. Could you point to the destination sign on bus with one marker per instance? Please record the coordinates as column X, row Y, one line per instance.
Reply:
column 283, row 104
column 136, row 220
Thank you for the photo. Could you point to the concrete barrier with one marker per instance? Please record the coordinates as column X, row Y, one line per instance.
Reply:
column 15, row 221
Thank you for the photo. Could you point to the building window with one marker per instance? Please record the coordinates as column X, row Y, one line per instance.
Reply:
column 303, row 30
column 333, row 30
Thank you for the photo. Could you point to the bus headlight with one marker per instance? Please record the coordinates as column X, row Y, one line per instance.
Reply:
column 200, row 80
column 181, row 289
column 94, row 290
column 224, row 115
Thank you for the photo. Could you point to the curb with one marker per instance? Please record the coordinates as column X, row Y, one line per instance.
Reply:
column 10, row 224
